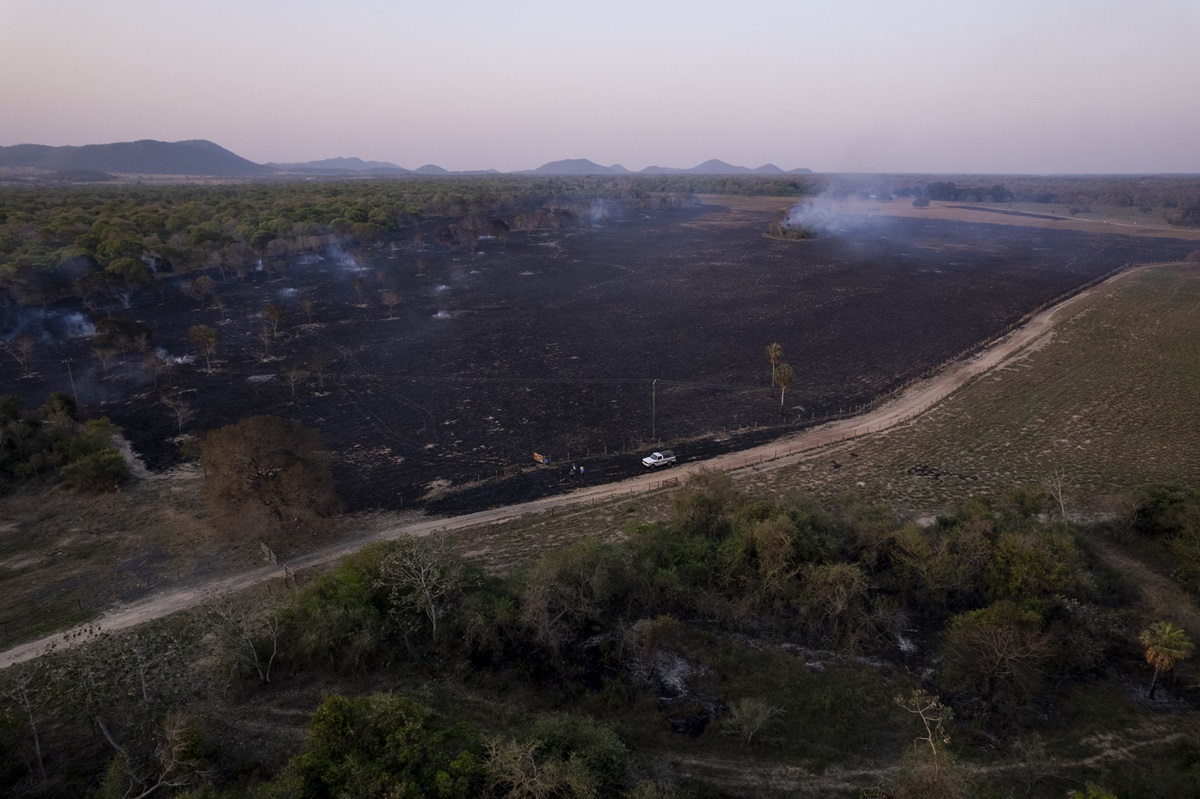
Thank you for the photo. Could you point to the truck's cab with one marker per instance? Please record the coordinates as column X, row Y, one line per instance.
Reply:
column 664, row 458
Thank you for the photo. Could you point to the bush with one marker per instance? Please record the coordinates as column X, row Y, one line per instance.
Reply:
column 52, row 444
column 101, row 471
column 559, row 755
column 386, row 745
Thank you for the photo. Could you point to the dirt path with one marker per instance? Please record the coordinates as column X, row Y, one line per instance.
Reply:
column 743, row 774
column 786, row 451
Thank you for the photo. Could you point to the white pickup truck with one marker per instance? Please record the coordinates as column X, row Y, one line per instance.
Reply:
column 664, row 458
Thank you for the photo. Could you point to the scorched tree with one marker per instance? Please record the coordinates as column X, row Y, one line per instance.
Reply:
column 268, row 477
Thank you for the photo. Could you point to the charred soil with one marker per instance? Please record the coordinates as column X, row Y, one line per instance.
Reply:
column 452, row 365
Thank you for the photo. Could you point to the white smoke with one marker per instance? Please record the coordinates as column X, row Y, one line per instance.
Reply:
column 600, row 211
column 344, row 259
column 76, row 325
column 817, row 217
column 167, row 357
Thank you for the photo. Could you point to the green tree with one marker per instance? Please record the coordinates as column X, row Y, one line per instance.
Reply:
column 205, row 339
column 272, row 315
column 998, row 654
column 1166, row 645
column 774, row 353
column 386, row 745
column 1092, row 791
column 560, row 755
column 569, row 593
column 783, row 376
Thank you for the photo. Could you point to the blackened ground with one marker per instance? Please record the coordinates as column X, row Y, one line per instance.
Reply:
column 551, row 343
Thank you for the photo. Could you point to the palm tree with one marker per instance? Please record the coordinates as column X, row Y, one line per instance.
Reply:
column 783, row 376
column 775, row 356
column 1166, row 645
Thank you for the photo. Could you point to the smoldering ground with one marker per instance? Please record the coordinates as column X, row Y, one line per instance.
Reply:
column 586, row 344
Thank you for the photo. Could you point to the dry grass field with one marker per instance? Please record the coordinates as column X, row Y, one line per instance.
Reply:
column 1093, row 219
column 1108, row 401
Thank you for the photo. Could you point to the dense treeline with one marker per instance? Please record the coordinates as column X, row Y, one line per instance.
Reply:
column 49, row 237
column 52, row 239
column 54, row 445
column 1177, row 196
column 708, row 623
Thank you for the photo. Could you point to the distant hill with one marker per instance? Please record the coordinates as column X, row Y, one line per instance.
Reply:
column 714, row 166
column 98, row 162
column 145, row 157
column 578, row 166
column 343, row 165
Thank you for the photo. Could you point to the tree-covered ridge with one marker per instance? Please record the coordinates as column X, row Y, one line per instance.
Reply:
column 188, row 226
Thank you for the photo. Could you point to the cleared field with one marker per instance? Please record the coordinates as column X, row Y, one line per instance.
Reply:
column 1108, row 401
column 1126, row 221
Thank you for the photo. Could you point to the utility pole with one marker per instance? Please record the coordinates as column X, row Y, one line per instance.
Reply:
column 654, row 410
column 71, row 377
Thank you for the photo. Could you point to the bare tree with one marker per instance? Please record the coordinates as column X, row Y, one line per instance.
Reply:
column 205, row 286
column 294, row 373
column 105, row 355
column 156, row 365
column 179, row 763
column 23, row 693
column 183, row 412
column 272, row 315
column 21, row 348
column 934, row 717
column 424, row 576
column 265, row 335
column 308, row 304
column 1057, row 486
column 357, row 282
column 250, row 637
column 391, row 299
column 320, row 363
column 749, row 717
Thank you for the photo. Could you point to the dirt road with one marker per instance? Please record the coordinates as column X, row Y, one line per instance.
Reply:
column 784, row 452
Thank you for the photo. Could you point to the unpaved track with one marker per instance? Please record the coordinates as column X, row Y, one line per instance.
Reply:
column 786, row 451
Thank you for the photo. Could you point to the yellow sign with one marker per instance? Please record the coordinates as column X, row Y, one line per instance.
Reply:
column 539, row 458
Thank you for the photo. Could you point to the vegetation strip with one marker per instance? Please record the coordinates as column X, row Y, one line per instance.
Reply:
column 785, row 452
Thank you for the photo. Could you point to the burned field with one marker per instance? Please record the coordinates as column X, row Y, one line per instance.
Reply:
column 435, row 372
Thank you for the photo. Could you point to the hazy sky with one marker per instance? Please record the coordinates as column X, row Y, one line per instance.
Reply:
column 1028, row 86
